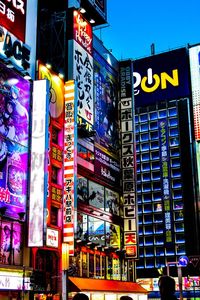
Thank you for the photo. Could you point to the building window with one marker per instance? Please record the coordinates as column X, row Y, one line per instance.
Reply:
column 54, row 216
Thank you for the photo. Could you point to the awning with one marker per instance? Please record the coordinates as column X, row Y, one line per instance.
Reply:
column 77, row 284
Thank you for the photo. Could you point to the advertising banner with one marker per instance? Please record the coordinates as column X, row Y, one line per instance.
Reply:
column 14, row 134
column 161, row 77
column 106, row 106
column 70, row 165
column 13, row 17
column 165, row 171
column 128, row 159
column 39, row 158
column 107, row 167
column 83, row 67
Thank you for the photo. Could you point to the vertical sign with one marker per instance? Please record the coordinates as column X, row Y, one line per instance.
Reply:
column 128, row 159
column 164, row 154
column 39, row 151
column 83, row 67
column 70, row 166
column 194, row 54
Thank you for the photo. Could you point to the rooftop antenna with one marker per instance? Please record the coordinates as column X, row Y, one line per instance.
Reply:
column 152, row 49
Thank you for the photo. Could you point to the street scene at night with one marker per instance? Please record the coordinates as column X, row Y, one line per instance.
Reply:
column 99, row 159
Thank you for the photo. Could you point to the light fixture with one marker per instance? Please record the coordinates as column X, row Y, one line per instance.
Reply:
column 82, row 10
column 92, row 21
column 9, row 64
column 48, row 66
column 61, row 75
column 27, row 76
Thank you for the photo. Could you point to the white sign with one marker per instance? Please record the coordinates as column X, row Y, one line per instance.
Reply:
column 52, row 238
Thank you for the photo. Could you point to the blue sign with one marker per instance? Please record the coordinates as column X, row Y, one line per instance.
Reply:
column 183, row 261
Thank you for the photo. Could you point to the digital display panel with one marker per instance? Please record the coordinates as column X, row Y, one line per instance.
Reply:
column 13, row 17
column 14, row 129
column 106, row 108
column 161, row 77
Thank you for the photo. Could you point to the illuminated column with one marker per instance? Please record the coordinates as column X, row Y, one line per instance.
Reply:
column 65, row 265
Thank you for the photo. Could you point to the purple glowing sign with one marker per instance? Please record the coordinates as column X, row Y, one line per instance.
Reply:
column 14, row 128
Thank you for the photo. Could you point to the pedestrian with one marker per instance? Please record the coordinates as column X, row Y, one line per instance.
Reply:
column 125, row 298
column 167, row 287
column 81, row 296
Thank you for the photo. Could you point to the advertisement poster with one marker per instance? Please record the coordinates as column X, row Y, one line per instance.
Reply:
column 96, row 195
column 112, row 201
column 14, row 130
column 82, row 190
column 106, row 108
column 11, row 243
column 113, row 235
column 96, row 231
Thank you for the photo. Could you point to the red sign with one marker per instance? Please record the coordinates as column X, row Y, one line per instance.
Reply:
column 13, row 17
column 82, row 32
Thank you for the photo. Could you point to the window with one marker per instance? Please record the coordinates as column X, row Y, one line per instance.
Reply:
column 54, row 216
column 55, row 132
column 153, row 115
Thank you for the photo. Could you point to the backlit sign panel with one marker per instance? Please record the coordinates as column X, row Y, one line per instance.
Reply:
column 14, row 135
column 163, row 76
column 83, row 67
column 70, row 165
column 38, row 175
column 128, row 159
column 52, row 238
column 13, row 17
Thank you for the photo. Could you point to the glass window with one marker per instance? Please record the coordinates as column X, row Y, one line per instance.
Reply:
column 158, row 228
column 175, row 162
column 136, row 119
column 179, row 227
column 175, row 173
column 145, row 157
column 146, row 187
column 148, row 240
column 82, row 227
column 144, row 127
column 91, row 265
column 146, row 197
column 54, row 215
column 155, row 155
column 176, row 183
column 159, row 240
column 156, row 175
column 154, row 135
column 147, row 208
column 144, row 137
column 148, row 219
column 154, row 145
column 160, row 251
column 143, row 118
column 153, row 125
column 153, row 115
column 174, row 152
column 148, row 229
column 157, row 207
column 162, row 113
column 158, row 218
column 157, row 196
column 173, row 132
column 137, row 128
column 155, row 165
column 157, row 186
column 145, row 166
column 173, row 122
column 144, row 146
column 172, row 111
column 177, row 204
column 178, row 215
column 146, row 177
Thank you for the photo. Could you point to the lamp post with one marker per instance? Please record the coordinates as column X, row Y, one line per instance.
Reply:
column 65, row 266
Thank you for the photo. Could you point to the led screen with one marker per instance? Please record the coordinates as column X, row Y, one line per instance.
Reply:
column 14, row 129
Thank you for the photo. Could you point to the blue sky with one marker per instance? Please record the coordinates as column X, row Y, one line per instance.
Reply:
column 135, row 24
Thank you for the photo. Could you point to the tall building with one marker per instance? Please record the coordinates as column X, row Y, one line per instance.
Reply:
column 167, row 179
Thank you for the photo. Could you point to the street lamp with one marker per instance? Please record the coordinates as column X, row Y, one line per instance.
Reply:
column 65, row 266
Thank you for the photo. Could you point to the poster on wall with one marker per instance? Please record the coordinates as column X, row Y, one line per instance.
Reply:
column 112, row 201
column 11, row 243
column 106, row 108
column 82, row 189
column 14, row 134
column 96, row 231
column 96, row 195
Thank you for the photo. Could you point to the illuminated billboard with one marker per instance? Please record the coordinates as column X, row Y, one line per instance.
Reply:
column 38, row 174
column 82, row 69
column 161, row 77
column 106, row 107
column 194, row 54
column 14, row 134
column 128, row 159
column 70, row 165
column 13, row 17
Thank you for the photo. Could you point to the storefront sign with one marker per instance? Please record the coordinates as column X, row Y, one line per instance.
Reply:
column 52, row 238
column 13, row 17
column 13, row 282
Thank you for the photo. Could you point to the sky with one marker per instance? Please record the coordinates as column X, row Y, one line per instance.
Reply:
column 134, row 25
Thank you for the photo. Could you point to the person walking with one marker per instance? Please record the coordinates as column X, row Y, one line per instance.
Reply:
column 167, row 287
